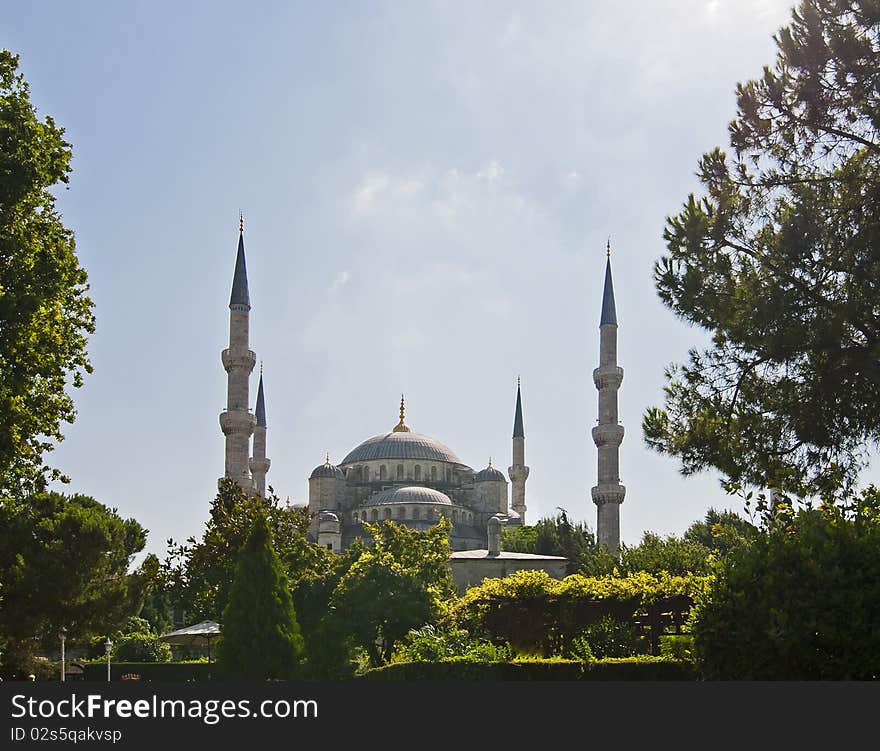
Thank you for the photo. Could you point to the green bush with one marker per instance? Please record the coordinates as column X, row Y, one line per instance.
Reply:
column 609, row 637
column 141, row 647
column 677, row 646
column 151, row 671
column 431, row 644
column 632, row 669
column 802, row 602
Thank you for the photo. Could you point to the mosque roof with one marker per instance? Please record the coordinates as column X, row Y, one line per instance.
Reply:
column 518, row 431
column 408, row 494
column 609, row 311
column 261, row 403
column 490, row 474
column 327, row 470
column 401, row 445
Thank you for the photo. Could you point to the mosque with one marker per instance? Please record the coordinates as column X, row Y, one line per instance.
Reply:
column 411, row 478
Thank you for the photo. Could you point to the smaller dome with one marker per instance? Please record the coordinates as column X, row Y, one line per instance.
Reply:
column 490, row 474
column 327, row 516
column 413, row 494
column 327, row 470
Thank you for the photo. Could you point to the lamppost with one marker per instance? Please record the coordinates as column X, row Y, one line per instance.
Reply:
column 108, row 645
column 63, row 636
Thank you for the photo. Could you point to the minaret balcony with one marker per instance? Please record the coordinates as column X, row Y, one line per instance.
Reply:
column 237, row 359
column 518, row 473
column 259, row 465
column 608, row 376
column 608, row 435
column 237, row 421
column 603, row 494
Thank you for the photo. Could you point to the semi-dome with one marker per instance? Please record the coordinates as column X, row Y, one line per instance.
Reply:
column 409, row 494
column 327, row 470
column 401, row 445
column 327, row 516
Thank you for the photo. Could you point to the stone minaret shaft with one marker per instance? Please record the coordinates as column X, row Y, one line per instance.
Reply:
column 259, row 463
column 237, row 422
column 608, row 434
column 518, row 471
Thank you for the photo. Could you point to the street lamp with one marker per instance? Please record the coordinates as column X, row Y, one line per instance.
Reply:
column 63, row 636
column 108, row 645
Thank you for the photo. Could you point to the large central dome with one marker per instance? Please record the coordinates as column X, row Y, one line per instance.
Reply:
column 401, row 445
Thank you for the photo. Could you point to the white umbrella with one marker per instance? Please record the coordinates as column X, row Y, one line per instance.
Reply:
column 202, row 634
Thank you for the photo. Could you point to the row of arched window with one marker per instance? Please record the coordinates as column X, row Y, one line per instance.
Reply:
column 363, row 473
column 406, row 512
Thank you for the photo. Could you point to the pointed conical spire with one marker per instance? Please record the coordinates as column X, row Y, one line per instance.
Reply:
column 518, row 431
column 240, row 294
column 609, row 311
column 260, row 411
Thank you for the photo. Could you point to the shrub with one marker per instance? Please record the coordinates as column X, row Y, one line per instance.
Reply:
column 609, row 637
column 430, row 644
column 141, row 648
column 802, row 602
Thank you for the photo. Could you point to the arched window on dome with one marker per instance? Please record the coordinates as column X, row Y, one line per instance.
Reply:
column 383, row 473
column 399, row 513
column 374, row 515
column 387, row 513
column 365, row 473
column 399, row 471
column 417, row 473
column 433, row 474
column 417, row 513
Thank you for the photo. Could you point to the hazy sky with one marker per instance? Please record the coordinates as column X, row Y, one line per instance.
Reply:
column 427, row 190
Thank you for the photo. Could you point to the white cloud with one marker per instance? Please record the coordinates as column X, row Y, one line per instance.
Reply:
column 378, row 188
column 340, row 280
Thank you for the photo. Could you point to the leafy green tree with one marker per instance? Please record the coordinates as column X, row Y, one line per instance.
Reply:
column 801, row 602
column 672, row 554
column 398, row 583
column 63, row 562
column 199, row 574
column 45, row 314
column 555, row 536
column 721, row 531
column 260, row 635
column 779, row 261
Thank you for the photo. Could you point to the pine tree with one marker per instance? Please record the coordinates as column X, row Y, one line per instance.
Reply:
column 261, row 636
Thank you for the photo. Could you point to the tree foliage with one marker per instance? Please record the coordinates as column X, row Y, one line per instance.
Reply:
column 45, row 314
column 802, row 602
column 396, row 584
column 555, row 536
column 779, row 261
column 199, row 573
column 64, row 562
column 260, row 635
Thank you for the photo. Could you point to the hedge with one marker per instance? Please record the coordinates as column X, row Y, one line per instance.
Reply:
column 626, row 669
column 151, row 671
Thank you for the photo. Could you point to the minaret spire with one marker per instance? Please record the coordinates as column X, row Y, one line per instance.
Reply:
column 237, row 422
column 518, row 471
column 259, row 464
column 608, row 493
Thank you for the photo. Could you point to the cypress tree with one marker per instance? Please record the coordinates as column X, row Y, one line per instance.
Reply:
column 261, row 637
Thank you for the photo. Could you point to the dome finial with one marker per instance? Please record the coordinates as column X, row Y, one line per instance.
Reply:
column 240, row 222
column 401, row 427
column 608, row 247
column 327, row 460
column 490, row 462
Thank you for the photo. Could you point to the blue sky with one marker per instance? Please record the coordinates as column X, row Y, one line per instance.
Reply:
column 427, row 190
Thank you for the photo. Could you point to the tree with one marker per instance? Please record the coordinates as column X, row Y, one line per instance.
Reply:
column 801, row 602
column 64, row 562
column 780, row 262
column 199, row 574
column 260, row 634
column 721, row 532
column 397, row 584
column 45, row 314
column 672, row 554
column 555, row 536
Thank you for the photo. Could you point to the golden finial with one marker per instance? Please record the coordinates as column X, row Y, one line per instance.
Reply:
column 490, row 462
column 608, row 247
column 401, row 427
column 327, row 460
column 240, row 222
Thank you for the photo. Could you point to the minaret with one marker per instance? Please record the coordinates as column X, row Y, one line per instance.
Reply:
column 237, row 422
column 518, row 471
column 608, row 434
column 259, row 463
